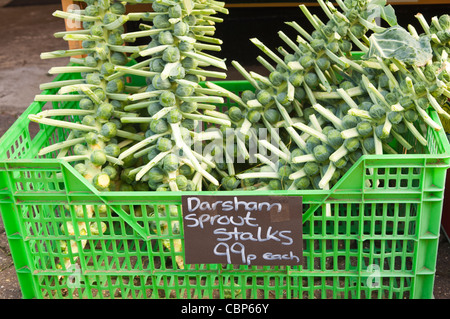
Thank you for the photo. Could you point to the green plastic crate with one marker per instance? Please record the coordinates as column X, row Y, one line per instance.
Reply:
column 380, row 240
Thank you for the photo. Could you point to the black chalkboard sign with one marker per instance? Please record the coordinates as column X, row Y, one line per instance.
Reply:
column 242, row 230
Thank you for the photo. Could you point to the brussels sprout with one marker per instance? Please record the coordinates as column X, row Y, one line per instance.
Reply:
column 295, row 153
column 191, row 20
column 175, row 11
column 189, row 124
column 189, row 63
column 174, row 116
column 157, row 65
column 104, row 111
column 321, row 153
column 283, row 98
column 186, row 170
column 247, row 95
column 312, row 142
column 345, row 46
column 377, row 112
column 358, row 30
column 296, row 78
column 107, row 68
column 126, row 188
column 119, row 58
column 311, row 168
column 229, row 182
column 302, row 183
column 152, row 153
column 395, row 117
column 190, row 186
column 127, row 175
column 101, row 181
column 161, row 84
column 112, row 149
column 98, row 157
column 333, row 46
column 158, row 7
column 312, row 79
column 91, row 138
column 185, row 46
column 349, row 121
column 180, row 29
column 275, row 184
column 171, row 163
column 352, row 144
column 161, row 21
column 235, row 114
column 254, row 116
column 328, row 128
column 165, row 37
column 109, row 18
column 87, row 24
column 156, row 175
column 365, row 106
column 100, row 94
column 93, row 78
column 118, row 8
column 306, row 61
column 317, row 44
column 153, row 108
column 164, row 144
column 81, row 168
column 263, row 97
column 284, row 171
column 341, row 163
column 88, row 44
column 90, row 61
column 272, row 115
column 88, row 120
column 410, row 115
column 111, row 171
column 335, row 138
column 423, row 103
column 276, row 78
column 86, row 104
column 299, row 93
column 188, row 107
column 108, row 130
column 444, row 21
column 354, row 156
column 192, row 78
column 159, row 126
column 364, row 128
column 167, row 99
column 91, row 11
column 115, row 86
column 184, row 90
column 115, row 38
column 383, row 81
column 290, row 58
column 323, row 63
column 79, row 149
column 181, row 181
column 406, row 102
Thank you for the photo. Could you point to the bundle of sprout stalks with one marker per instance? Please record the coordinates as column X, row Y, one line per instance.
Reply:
column 124, row 137
column 324, row 107
column 320, row 107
